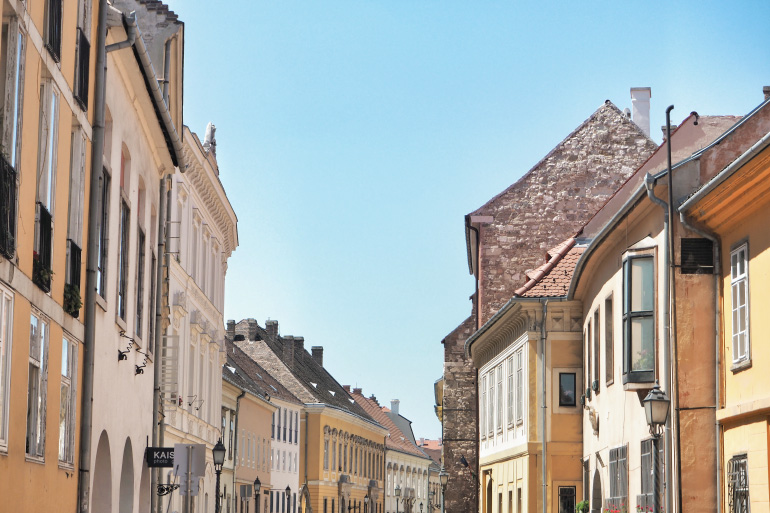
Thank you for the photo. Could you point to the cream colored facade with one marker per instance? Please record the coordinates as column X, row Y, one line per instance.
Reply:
column 508, row 353
column 45, row 135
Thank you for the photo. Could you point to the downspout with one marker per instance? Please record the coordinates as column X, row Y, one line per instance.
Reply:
column 477, row 441
column 237, row 418
column 543, row 428
column 674, row 345
column 158, row 421
column 129, row 22
column 718, row 342
column 306, row 437
column 94, row 201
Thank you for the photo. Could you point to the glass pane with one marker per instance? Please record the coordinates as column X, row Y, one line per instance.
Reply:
column 641, row 284
column 64, row 358
column 642, row 350
column 34, row 338
column 63, row 416
column 566, row 389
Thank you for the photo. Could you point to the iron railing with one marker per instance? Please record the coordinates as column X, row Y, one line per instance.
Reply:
column 53, row 28
column 81, row 69
column 7, row 208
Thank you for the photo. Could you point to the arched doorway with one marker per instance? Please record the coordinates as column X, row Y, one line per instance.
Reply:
column 126, row 504
column 596, row 493
column 101, row 491
column 144, row 490
column 304, row 500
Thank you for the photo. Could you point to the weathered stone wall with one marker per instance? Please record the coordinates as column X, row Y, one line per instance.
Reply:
column 459, row 427
column 554, row 199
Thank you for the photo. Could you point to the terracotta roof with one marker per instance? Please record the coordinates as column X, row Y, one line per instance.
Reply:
column 396, row 440
column 553, row 278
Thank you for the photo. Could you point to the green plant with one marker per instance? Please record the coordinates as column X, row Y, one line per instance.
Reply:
column 582, row 507
column 40, row 274
column 72, row 302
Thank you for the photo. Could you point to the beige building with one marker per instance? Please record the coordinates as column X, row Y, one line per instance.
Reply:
column 528, row 357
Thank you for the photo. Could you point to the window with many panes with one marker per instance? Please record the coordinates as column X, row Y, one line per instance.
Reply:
column 738, row 484
column 6, row 318
column 67, row 405
column 618, row 477
column 37, row 386
column 638, row 319
column 739, row 295
column 566, row 499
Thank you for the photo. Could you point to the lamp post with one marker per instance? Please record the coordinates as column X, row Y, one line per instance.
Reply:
column 219, row 459
column 288, row 498
column 421, row 507
column 257, row 487
column 366, row 502
column 656, row 406
column 398, row 494
column 443, row 478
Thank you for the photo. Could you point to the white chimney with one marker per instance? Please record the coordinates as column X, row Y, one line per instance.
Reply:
column 640, row 107
column 394, row 405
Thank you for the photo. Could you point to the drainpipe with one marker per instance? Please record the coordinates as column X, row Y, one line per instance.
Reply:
column 544, row 406
column 718, row 342
column 94, row 206
column 129, row 21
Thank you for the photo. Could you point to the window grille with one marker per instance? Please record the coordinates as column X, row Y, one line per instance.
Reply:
column 738, row 484
column 618, row 470
column 83, row 54
column 41, row 268
column 697, row 256
column 53, row 28
column 7, row 208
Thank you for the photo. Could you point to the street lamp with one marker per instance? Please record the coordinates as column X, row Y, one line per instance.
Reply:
column 398, row 494
column 219, row 459
column 443, row 478
column 366, row 501
column 421, row 507
column 257, row 486
column 656, row 406
column 288, row 498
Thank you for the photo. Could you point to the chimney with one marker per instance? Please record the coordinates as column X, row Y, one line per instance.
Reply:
column 357, row 391
column 318, row 354
column 347, row 388
column 640, row 107
column 394, row 405
column 231, row 329
column 299, row 346
column 252, row 326
column 663, row 129
column 766, row 92
column 288, row 349
column 422, row 442
column 272, row 328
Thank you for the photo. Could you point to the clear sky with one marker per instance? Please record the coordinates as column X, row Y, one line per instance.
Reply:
column 353, row 136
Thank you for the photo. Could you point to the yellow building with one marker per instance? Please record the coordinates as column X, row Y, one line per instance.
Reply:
column 341, row 467
column 529, row 349
column 733, row 207
column 47, row 68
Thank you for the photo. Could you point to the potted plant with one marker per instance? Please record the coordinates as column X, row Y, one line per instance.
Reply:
column 582, row 507
column 40, row 274
column 72, row 302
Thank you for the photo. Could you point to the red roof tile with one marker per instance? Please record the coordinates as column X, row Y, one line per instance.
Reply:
column 552, row 279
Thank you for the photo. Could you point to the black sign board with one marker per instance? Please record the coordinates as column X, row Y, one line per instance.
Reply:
column 160, row 456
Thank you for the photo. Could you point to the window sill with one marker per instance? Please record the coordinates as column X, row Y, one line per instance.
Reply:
column 101, row 302
column 69, row 467
column 740, row 365
column 121, row 323
column 34, row 459
column 635, row 387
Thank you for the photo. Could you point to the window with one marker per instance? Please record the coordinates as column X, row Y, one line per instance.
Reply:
column 291, row 421
column 618, row 477
column 519, row 385
column 104, row 227
column 510, row 390
column 284, row 424
column 587, row 366
column 609, row 352
column 738, row 484
column 500, row 397
column 566, row 499
column 6, row 318
column 326, row 454
column 483, row 412
column 491, row 405
column 75, row 220
column 567, row 389
column 739, row 287
column 12, row 89
column 646, row 499
column 296, row 428
column 82, row 58
column 67, row 406
column 37, row 386
column 334, row 455
column 125, row 225
column 53, row 28
column 638, row 320
column 46, row 178
column 140, row 242
column 597, row 359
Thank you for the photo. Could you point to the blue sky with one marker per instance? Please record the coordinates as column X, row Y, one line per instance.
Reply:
column 353, row 136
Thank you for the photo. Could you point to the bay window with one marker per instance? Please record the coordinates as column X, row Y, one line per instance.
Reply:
column 639, row 319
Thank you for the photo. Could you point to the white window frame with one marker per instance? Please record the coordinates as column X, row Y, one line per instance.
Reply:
column 36, row 391
column 77, row 185
column 483, row 408
column 499, row 398
column 68, row 401
column 14, row 89
column 739, row 301
column 520, row 386
column 48, row 144
column 511, row 390
column 6, row 346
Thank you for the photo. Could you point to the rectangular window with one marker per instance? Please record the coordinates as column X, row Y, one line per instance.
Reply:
column 510, row 390
column 296, row 427
column 326, row 454
column 738, row 484
column 334, row 455
column 567, row 389
column 597, row 358
column 53, row 20
column 284, row 424
column 140, row 242
column 291, row 421
column 47, row 144
column 82, row 60
column 104, row 227
column 6, row 318
column 483, row 412
column 645, row 500
column 739, row 287
column 589, row 366
column 500, row 397
column 37, row 386
column 67, row 406
column 567, row 499
column 618, row 477
column 491, row 405
column 609, row 352
column 519, row 386
column 125, row 225
column 638, row 320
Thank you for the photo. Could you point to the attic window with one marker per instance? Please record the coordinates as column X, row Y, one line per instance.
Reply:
column 351, row 401
column 315, row 385
column 231, row 369
column 332, row 392
column 697, row 256
column 259, row 375
column 274, row 389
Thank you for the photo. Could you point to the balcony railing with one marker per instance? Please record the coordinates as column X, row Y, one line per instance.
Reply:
column 7, row 208
column 41, row 265
column 72, row 300
column 81, row 69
